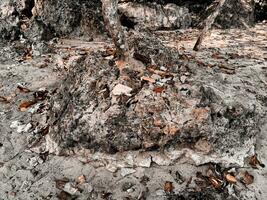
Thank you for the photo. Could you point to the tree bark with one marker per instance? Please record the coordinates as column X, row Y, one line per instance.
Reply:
column 208, row 23
column 113, row 25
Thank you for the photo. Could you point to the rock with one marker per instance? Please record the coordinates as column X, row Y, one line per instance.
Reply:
column 155, row 16
column 121, row 89
column 143, row 160
column 127, row 171
column 70, row 189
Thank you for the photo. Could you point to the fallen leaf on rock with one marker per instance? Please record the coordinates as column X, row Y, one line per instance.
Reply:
column 216, row 183
column 247, row 178
column 158, row 89
column 168, row 187
column 26, row 104
column 148, row 79
column 23, row 89
column 4, row 99
column 230, row 178
column 217, row 56
column 254, row 161
column 81, row 179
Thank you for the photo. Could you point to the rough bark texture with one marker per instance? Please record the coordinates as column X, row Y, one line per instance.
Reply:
column 112, row 21
column 208, row 23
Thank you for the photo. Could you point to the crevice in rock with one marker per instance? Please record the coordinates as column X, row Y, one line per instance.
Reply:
column 27, row 11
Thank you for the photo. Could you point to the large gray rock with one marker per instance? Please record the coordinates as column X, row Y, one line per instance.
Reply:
column 165, row 104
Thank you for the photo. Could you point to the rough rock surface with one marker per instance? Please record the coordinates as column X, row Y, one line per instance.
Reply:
column 171, row 102
column 27, row 171
column 156, row 16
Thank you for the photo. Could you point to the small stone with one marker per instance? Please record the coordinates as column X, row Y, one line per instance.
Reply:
column 183, row 79
column 70, row 189
column 127, row 171
column 112, row 168
column 143, row 160
column 126, row 186
column 121, row 89
column 161, row 159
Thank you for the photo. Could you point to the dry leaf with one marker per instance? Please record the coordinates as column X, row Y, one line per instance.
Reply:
column 254, row 161
column 217, row 56
column 23, row 89
column 230, row 178
column 148, row 79
column 4, row 99
column 81, row 179
column 40, row 95
column 168, row 187
column 247, row 178
column 158, row 89
column 25, row 105
column 217, row 183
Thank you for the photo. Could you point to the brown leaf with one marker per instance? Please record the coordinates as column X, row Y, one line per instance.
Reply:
column 158, row 89
column 216, row 183
column 23, row 89
column 4, row 99
column 26, row 104
column 168, row 187
column 254, row 161
column 247, row 178
column 148, row 79
column 230, row 178
column 217, row 56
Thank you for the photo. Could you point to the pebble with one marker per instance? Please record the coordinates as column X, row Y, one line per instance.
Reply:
column 70, row 189
column 127, row 171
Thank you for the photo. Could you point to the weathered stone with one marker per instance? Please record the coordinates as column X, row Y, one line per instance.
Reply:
column 192, row 115
column 155, row 16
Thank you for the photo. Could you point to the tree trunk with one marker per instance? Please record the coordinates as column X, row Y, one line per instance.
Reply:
column 111, row 18
column 209, row 21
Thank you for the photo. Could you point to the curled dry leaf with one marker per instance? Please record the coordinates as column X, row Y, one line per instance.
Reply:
column 148, row 79
column 23, row 89
column 4, row 99
column 158, row 89
column 247, row 178
column 230, row 178
column 26, row 104
column 216, row 183
column 168, row 187
column 254, row 161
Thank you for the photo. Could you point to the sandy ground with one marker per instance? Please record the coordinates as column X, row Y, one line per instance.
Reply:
column 27, row 174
